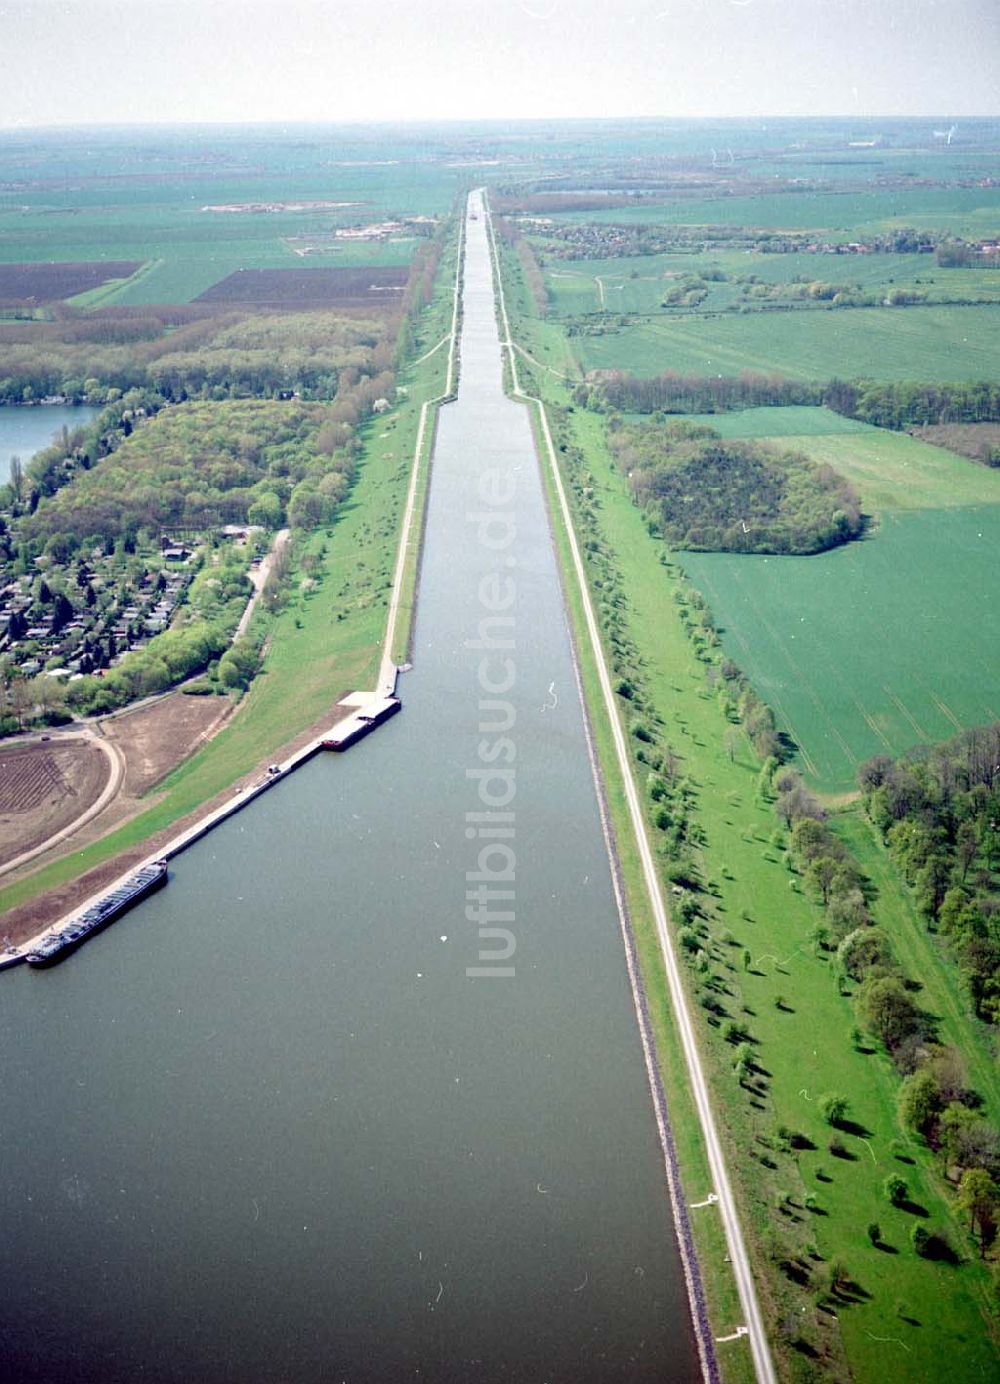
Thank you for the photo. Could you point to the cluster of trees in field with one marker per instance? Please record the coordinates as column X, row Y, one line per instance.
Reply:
column 884, row 999
column 964, row 254
column 692, row 289
column 707, row 494
column 588, row 240
column 672, row 392
column 895, row 404
column 219, row 356
column 419, row 288
column 939, row 811
column 820, row 293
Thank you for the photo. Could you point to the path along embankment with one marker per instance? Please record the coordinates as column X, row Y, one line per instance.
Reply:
column 385, row 689
column 722, row 1194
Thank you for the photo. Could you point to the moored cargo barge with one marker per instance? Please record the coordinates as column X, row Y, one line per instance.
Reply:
column 97, row 917
column 352, row 728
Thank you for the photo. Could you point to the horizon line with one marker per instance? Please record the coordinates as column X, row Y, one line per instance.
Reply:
column 423, row 121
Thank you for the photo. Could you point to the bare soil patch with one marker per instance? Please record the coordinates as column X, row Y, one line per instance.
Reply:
column 156, row 738
column 29, row 919
column 24, row 284
column 980, row 441
column 44, row 787
column 256, row 208
column 348, row 286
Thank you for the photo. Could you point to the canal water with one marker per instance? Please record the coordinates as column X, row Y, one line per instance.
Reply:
column 25, row 431
column 269, row 1128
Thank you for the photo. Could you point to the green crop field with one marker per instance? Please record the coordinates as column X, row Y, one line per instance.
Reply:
column 842, row 214
column 892, row 470
column 782, row 423
column 153, row 208
column 186, row 270
column 907, row 1313
column 800, row 1021
column 888, row 642
column 636, row 284
column 925, row 343
column 874, row 647
column 889, row 470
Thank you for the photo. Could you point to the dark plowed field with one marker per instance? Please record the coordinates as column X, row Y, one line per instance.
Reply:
column 22, row 285
column 358, row 286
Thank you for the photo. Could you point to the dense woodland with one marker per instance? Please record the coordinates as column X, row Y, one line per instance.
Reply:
column 218, row 356
column 193, row 466
column 707, row 494
column 939, row 811
column 904, row 403
column 207, row 420
column 885, row 404
column 571, row 240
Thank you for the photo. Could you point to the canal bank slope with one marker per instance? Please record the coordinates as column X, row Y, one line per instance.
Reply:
column 721, row 1193
column 332, row 641
column 364, row 1150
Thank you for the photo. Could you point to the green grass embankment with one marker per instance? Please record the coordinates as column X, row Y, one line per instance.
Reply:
column 328, row 638
column 811, row 1208
column 709, row 1237
column 446, row 310
column 400, row 650
column 722, row 1297
column 835, row 1303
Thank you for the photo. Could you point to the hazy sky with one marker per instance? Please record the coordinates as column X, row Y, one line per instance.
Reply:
column 121, row 61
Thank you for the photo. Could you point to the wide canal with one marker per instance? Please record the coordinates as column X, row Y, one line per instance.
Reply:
column 269, row 1128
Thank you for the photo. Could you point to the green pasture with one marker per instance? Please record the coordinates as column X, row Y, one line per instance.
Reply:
column 183, row 256
column 871, row 648
column 840, row 215
column 889, row 470
column 908, row 1314
column 151, row 209
column 918, row 343
column 635, row 284
column 892, row 470
column 798, row 422
column 914, row 160
column 908, row 1309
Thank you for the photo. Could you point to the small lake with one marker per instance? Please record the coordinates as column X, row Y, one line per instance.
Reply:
column 25, row 431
